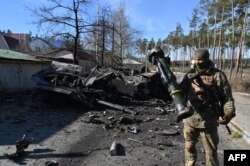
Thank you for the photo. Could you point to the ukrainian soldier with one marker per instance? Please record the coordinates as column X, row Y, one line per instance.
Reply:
column 206, row 89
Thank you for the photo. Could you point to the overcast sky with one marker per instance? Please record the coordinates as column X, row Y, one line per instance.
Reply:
column 156, row 18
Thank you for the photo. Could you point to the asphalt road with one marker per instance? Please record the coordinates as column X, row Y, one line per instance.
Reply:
column 63, row 133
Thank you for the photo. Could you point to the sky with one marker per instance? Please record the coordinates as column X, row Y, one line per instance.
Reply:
column 155, row 18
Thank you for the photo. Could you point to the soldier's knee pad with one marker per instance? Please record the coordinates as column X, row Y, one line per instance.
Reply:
column 190, row 146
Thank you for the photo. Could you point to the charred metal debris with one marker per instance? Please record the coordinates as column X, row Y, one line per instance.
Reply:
column 101, row 85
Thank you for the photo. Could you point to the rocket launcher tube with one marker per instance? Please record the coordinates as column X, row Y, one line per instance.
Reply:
column 169, row 81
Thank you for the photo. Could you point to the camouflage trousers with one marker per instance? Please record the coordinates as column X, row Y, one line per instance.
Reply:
column 210, row 140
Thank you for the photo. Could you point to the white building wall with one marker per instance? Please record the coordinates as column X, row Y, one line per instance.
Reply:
column 3, row 44
column 39, row 45
column 17, row 76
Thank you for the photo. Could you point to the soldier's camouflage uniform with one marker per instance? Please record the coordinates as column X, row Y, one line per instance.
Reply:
column 203, row 123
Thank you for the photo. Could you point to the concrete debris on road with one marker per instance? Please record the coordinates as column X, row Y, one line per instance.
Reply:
column 20, row 146
column 133, row 129
column 113, row 148
column 51, row 163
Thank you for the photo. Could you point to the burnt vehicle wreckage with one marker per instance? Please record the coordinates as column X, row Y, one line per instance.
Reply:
column 101, row 85
column 106, row 86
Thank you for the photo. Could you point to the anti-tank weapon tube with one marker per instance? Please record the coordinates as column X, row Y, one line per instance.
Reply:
column 169, row 81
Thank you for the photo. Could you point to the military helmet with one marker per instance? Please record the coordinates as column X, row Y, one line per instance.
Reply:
column 201, row 53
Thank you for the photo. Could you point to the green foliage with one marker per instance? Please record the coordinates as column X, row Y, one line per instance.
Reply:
column 175, row 38
column 163, row 155
column 151, row 44
column 159, row 43
column 236, row 135
column 141, row 46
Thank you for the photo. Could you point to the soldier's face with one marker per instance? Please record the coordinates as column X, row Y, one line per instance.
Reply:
column 200, row 63
column 198, row 60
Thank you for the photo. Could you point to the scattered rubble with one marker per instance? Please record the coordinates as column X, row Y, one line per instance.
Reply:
column 20, row 146
column 154, row 145
column 113, row 148
column 51, row 163
column 133, row 129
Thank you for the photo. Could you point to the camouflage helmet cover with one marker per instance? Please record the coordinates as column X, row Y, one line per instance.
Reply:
column 201, row 53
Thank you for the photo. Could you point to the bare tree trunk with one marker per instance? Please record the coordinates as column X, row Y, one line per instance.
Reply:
column 190, row 53
column 217, row 56
column 223, row 60
column 208, row 38
column 214, row 42
column 121, row 49
column 97, row 36
column 213, row 58
column 113, row 43
column 77, row 35
column 96, row 46
column 183, row 59
column 204, row 40
column 113, row 39
column 103, row 40
column 243, row 32
column 233, row 42
column 75, row 48
column 199, row 42
column 241, row 67
column 221, row 29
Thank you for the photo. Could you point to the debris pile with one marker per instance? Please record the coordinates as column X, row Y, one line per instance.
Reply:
column 101, row 85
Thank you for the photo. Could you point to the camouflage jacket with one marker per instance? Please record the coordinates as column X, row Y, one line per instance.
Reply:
column 202, row 96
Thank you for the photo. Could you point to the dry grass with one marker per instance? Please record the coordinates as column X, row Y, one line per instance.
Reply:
column 240, row 84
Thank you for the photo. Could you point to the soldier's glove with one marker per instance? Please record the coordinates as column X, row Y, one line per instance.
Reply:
column 226, row 119
column 154, row 54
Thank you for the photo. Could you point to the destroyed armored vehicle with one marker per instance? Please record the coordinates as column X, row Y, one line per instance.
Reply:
column 99, row 84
